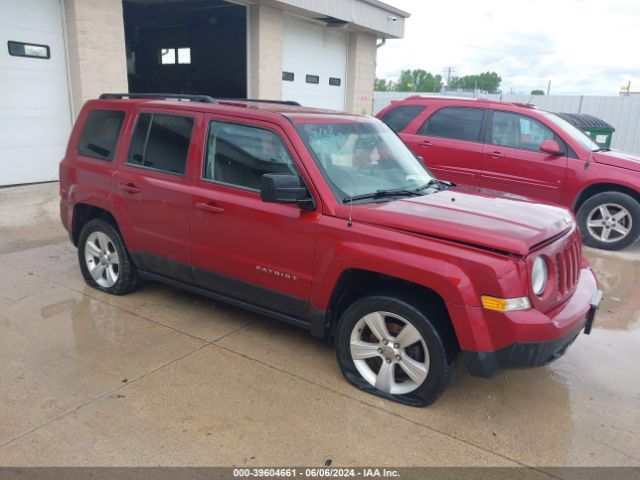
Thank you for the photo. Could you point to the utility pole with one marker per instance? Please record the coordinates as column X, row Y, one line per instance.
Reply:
column 548, row 87
column 448, row 71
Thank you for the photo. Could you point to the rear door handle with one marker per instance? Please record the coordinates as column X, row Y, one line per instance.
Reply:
column 209, row 207
column 425, row 143
column 129, row 188
column 496, row 154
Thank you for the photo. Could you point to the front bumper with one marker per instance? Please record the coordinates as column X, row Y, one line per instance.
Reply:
column 562, row 327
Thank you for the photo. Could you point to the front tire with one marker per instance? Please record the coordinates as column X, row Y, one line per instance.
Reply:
column 104, row 261
column 609, row 221
column 388, row 347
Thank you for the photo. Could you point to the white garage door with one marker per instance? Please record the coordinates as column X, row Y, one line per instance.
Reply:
column 314, row 65
column 35, row 117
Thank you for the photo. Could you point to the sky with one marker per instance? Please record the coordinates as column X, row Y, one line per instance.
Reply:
column 588, row 47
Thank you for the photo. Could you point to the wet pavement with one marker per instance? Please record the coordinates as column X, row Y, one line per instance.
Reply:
column 165, row 377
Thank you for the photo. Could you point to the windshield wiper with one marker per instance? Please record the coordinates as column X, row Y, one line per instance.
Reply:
column 602, row 149
column 433, row 182
column 382, row 194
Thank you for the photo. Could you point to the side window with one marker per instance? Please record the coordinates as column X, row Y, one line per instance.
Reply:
column 398, row 118
column 458, row 123
column 239, row 155
column 99, row 136
column 519, row 131
column 161, row 142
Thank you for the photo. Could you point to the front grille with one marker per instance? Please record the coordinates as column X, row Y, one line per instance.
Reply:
column 568, row 262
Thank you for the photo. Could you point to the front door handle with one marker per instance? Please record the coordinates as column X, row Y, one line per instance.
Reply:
column 209, row 207
column 496, row 154
column 425, row 143
column 129, row 187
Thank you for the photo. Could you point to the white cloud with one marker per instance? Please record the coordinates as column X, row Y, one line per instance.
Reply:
column 582, row 46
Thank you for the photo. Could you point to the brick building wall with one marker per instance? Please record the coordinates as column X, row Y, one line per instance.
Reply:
column 361, row 72
column 95, row 49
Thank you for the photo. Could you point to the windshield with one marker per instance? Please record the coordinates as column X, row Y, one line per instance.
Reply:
column 361, row 156
column 574, row 132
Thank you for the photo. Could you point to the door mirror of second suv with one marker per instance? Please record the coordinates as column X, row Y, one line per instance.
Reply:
column 551, row 147
column 285, row 188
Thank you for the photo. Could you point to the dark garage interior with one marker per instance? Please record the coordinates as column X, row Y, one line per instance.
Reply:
column 186, row 46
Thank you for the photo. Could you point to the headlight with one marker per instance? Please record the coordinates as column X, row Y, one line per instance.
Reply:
column 539, row 276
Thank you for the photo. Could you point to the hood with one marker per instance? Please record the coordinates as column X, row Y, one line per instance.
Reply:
column 618, row 159
column 488, row 221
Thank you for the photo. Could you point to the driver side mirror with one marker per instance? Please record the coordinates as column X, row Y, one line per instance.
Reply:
column 285, row 188
column 551, row 147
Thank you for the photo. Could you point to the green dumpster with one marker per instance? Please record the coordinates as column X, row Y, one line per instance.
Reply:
column 599, row 130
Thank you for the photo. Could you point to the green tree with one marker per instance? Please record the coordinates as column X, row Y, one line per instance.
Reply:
column 537, row 92
column 382, row 85
column 487, row 81
column 418, row 81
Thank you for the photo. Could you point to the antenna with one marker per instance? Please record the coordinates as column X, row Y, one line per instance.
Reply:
column 350, row 221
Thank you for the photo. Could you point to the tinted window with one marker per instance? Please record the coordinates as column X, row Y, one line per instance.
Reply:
column 139, row 139
column 100, row 134
column 398, row 118
column 518, row 131
column 161, row 142
column 239, row 155
column 456, row 123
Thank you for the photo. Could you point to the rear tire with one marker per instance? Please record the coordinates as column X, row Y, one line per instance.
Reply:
column 387, row 346
column 104, row 261
column 609, row 221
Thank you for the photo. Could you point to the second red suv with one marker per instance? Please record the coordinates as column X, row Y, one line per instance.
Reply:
column 522, row 150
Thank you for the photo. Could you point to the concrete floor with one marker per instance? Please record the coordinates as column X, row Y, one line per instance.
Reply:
column 165, row 377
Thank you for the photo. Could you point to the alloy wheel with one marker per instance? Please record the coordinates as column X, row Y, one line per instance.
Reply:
column 389, row 352
column 101, row 258
column 609, row 222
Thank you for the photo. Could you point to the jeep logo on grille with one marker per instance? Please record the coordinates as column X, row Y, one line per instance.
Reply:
column 276, row 273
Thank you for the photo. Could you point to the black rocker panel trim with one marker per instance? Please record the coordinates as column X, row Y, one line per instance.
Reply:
column 150, row 262
column 262, row 300
column 264, row 297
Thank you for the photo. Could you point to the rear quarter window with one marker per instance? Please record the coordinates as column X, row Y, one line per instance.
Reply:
column 99, row 136
column 398, row 118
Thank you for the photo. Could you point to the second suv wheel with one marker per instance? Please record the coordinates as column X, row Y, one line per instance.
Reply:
column 388, row 347
column 609, row 220
column 104, row 260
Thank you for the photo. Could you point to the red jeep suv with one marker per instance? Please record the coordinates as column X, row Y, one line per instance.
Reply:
column 522, row 150
column 326, row 221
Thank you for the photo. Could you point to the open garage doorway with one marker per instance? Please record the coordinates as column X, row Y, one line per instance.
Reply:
column 186, row 46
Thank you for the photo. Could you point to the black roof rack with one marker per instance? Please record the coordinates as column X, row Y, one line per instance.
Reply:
column 192, row 98
column 260, row 100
